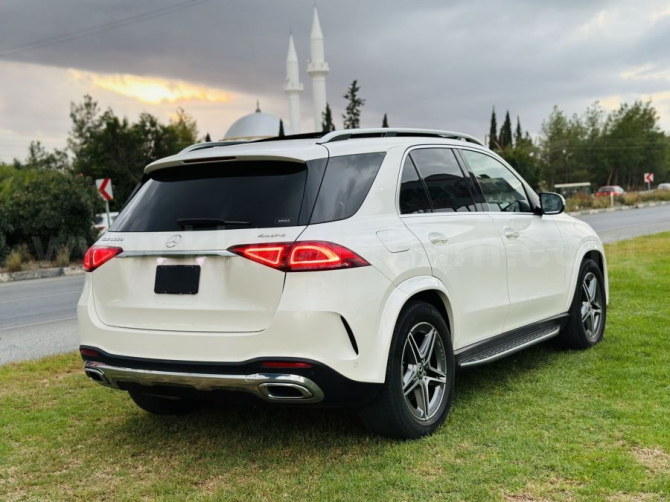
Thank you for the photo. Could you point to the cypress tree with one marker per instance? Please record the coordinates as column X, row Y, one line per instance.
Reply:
column 281, row 129
column 505, row 137
column 518, row 134
column 327, row 120
column 385, row 122
column 352, row 117
column 493, row 131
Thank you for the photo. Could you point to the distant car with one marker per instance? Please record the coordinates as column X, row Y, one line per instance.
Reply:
column 664, row 186
column 101, row 222
column 610, row 190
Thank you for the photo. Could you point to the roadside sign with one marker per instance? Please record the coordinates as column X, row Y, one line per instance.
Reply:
column 648, row 179
column 105, row 188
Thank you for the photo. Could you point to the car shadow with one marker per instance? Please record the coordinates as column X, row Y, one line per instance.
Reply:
column 256, row 430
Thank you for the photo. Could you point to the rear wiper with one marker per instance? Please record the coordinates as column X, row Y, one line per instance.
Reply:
column 210, row 222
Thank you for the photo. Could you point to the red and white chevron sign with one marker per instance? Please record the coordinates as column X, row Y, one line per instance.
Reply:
column 105, row 188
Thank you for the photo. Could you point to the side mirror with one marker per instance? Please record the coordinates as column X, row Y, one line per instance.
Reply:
column 552, row 203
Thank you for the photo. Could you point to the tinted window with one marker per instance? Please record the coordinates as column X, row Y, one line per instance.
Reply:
column 345, row 185
column 447, row 187
column 216, row 196
column 502, row 190
column 413, row 196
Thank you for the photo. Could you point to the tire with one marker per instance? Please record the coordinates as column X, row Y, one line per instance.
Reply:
column 164, row 406
column 588, row 311
column 393, row 415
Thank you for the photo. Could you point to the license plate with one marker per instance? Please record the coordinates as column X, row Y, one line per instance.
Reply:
column 177, row 279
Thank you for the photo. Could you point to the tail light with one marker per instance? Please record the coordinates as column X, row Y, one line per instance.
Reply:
column 301, row 256
column 98, row 255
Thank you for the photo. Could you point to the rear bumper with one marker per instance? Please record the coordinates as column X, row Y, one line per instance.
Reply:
column 212, row 381
column 331, row 317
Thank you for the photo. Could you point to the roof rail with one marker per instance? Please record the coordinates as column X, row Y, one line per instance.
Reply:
column 396, row 132
column 210, row 144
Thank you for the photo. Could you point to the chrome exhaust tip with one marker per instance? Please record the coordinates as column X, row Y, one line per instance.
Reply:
column 97, row 376
column 281, row 391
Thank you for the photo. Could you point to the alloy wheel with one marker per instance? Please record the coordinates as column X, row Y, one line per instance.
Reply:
column 424, row 371
column 592, row 311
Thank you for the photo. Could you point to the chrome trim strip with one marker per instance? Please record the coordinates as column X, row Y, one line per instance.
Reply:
column 172, row 253
column 512, row 350
column 259, row 384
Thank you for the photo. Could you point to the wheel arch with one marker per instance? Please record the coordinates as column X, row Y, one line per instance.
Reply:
column 423, row 288
column 590, row 250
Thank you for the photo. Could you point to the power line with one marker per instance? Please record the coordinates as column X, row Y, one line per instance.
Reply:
column 58, row 39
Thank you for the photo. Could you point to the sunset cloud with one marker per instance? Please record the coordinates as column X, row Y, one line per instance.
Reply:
column 151, row 90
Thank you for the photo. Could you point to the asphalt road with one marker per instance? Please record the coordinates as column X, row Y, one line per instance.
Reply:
column 38, row 317
column 622, row 225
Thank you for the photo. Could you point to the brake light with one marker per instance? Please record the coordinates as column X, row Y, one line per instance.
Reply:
column 301, row 256
column 98, row 255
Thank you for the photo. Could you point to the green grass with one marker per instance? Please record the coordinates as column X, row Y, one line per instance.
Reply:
column 544, row 424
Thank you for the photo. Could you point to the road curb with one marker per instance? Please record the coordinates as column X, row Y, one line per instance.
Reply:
column 40, row 273
column 619, row 208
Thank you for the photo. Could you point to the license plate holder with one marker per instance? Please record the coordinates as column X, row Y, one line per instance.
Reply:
column 177, row 279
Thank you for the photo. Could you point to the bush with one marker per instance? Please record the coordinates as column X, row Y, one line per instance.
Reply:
column 48, row 210
column 63, row 257
column 13, row 261
column 5, row 229
column 584, row 201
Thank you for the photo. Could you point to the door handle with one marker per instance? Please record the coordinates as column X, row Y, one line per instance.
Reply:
column 510, row 233
column 437, row 238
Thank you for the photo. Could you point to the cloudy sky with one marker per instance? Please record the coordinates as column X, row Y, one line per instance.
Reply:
column 437, row 64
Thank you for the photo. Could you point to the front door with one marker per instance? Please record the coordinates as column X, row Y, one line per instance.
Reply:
column 535, row 262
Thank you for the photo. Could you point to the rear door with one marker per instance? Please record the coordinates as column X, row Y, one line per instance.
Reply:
column 188, row 217
column 535, row 264
column 463, row 246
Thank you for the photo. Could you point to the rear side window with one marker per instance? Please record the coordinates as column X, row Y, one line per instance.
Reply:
column 448, row 188
column 413, row 196
column 345, row 185
column 225, row 195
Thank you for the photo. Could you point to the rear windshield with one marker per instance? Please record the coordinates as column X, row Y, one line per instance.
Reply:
column 226, row 195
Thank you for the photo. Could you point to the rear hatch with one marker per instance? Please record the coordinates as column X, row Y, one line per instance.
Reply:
column 188, row 216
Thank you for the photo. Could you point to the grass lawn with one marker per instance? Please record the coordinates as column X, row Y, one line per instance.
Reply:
column 544, row 424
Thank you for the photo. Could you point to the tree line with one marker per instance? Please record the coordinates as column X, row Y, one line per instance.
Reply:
column 596, row 146
column 48, row 201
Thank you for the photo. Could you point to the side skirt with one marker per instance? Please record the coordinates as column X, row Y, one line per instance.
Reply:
column 508, row 343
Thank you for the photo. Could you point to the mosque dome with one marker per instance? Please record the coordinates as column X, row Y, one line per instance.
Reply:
column 256, row 125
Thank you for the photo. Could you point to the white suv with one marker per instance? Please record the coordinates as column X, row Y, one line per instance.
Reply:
column 356, row 268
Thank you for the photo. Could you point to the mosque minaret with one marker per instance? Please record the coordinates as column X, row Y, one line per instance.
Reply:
column 260, row 125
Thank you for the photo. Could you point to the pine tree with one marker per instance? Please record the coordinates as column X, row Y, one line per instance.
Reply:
column 505, row 137
column 493, row 131
column 385, row 122
column 352, row 117
column 281, row 129
column 208, row 138
column 327, row 120
column 518, row 133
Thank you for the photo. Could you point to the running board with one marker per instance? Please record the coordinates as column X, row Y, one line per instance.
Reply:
column 509, row 343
